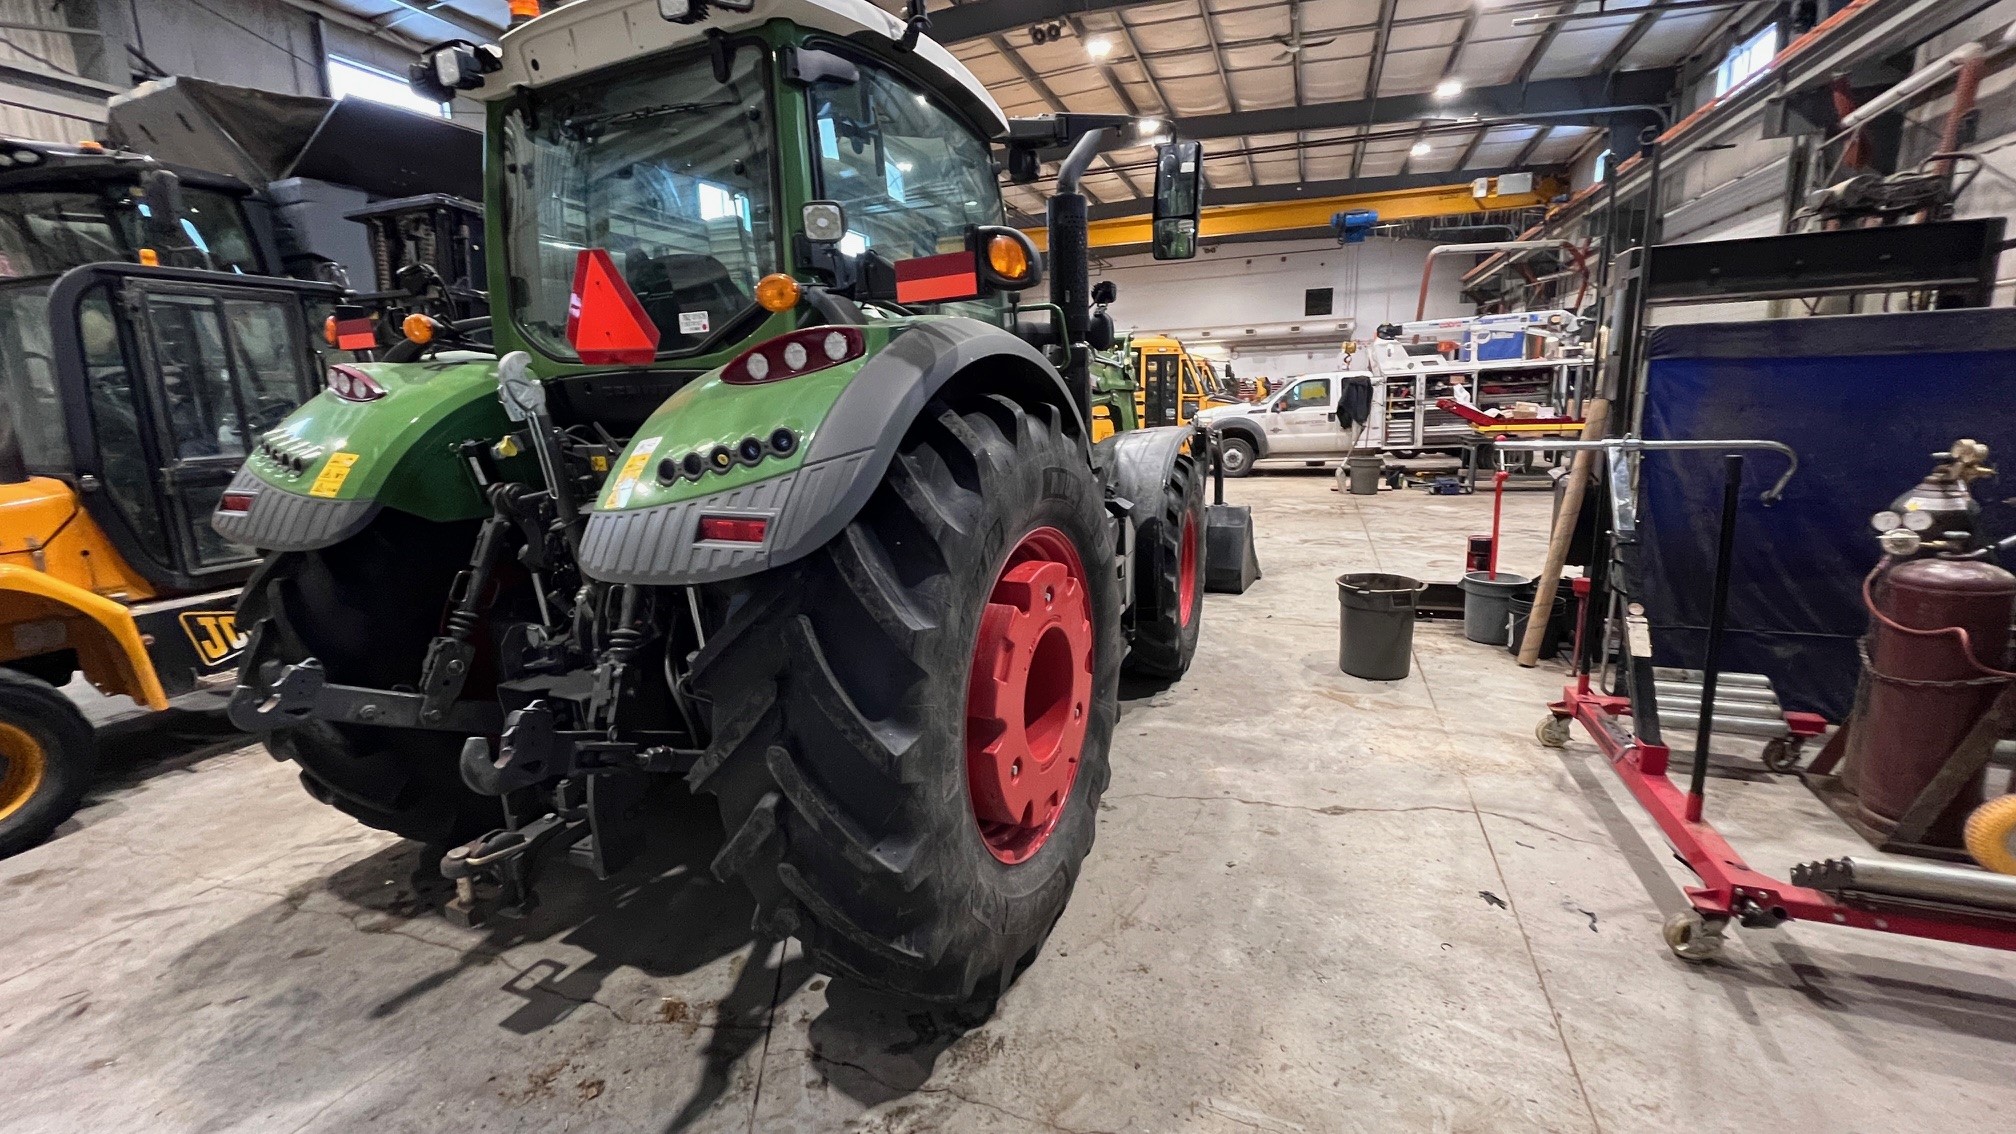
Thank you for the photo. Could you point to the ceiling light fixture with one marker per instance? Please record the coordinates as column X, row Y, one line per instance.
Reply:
column 1098, row 47
column 1448, row 89
column 1148, row 127
column 1421, row 149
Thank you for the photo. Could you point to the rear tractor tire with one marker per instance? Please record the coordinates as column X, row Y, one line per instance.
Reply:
column 908, row 844
column 367, row 608
column 47, row 756
column 1169, row 575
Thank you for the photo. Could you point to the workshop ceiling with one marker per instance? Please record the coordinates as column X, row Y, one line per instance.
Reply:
column 1235, row 72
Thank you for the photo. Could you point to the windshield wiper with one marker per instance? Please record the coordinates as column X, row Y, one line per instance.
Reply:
column 578, row 127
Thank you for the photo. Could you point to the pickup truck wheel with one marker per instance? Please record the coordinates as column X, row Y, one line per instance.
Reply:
column 367, row 608
column 47, row 755
column 1236, row 454
column 910, row 845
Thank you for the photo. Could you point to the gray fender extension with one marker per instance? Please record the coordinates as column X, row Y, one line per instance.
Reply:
column 280, row 520
column 847, row 458
column 1141, row 460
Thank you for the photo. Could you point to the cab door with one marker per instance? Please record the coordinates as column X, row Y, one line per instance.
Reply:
column 1303, row 419
column 222, row 366
column 1161, row 390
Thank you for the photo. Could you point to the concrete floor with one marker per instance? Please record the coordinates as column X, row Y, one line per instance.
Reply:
column 1317, row 904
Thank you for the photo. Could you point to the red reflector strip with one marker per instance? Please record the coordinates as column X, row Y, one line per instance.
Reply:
column 931, row 279
column 606, row 324
column 356, row 334
column 733, row 529
column 236, row 502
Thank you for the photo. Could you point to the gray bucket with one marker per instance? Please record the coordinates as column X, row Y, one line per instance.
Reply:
column 1487, row 603
column 1375, row 632
column 1365, row 472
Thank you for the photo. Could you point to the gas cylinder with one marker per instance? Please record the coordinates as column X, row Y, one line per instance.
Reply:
column 1924, row 694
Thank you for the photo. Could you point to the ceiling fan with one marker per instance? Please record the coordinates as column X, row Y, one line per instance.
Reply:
column 1293, row 43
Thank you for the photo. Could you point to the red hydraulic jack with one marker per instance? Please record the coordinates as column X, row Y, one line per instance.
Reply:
column 1730, row 889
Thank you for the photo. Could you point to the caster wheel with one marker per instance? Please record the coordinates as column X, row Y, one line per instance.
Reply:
column 1782, row 754
column 1552, row 732
column 1693, row 937
column 1991, row 834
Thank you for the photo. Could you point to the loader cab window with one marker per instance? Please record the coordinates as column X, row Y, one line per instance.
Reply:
column 662, row 167
column 911, row 174
column 48, row 233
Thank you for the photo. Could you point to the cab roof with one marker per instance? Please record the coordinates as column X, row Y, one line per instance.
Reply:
column 591, row 34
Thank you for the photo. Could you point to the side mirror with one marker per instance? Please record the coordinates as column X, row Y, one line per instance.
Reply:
column 1179, row 174
column 457, row 65
column 161, row 201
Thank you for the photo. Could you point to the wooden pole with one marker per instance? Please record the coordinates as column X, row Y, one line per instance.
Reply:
column 1579, row 475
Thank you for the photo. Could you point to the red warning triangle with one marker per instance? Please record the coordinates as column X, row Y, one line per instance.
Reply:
column 605, row 323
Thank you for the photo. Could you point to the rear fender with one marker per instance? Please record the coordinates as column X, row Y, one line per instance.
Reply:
column 398, row 452
column 851, row 419
column 109, row 645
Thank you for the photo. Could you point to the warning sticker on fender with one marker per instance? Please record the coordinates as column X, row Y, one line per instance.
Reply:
column 330, row 480
column 633, row 468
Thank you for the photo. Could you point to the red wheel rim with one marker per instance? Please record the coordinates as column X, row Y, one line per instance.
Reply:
column 1029, row 697
column 1186, row 573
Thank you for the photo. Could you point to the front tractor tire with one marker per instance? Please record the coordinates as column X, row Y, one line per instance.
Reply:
column 910, row 726
column 367, row 608
column 1169, row 566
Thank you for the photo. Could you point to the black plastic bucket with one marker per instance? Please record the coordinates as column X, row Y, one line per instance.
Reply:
column 1557, row 623
column 1375, row 632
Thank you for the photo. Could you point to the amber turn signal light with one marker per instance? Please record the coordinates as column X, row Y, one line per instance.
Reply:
column 329, row 330
column 418, row 329
column 1008, row 258
column 777, row 292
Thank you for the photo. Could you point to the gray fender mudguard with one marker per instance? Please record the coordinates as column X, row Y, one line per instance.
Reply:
column 846, row 459
column 1141, row 461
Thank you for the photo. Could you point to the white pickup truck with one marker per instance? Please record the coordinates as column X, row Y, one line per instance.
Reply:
column 1296, row 422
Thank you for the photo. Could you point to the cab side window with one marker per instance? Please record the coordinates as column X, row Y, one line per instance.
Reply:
column 1314, row 392
column 911, row 175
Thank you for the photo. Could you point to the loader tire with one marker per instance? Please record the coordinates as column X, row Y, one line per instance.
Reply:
column 47, row 756
column 367, row 608
column 910, row 845
column 1169, row 576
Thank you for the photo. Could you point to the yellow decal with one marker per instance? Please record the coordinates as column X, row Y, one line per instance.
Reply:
column 215, row 635
column 598, row 462
column 626, row 480
column 330, row 480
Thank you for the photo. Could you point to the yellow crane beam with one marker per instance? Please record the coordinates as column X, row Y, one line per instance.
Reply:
column 1287, row 216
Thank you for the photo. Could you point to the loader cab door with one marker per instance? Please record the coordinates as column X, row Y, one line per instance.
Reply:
column 169, row 382
column 1161, row 389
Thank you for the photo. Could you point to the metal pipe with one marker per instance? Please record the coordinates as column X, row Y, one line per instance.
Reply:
column 1920, row 880
column 1917, row 81
column 1070, row 269
column 1686, row 720
column 1639, row 445
column 1428, row 264
column 1730, row 691
column 1718, row 622
column 1755, row 680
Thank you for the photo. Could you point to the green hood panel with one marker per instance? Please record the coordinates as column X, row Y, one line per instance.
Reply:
column 398, row 450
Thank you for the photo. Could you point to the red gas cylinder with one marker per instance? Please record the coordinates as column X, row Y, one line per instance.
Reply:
column 1923, row 693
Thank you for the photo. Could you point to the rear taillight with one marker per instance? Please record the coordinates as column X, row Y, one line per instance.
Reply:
column 733, row 529
column 237, row 503
column 353, row 385
column 800, row 352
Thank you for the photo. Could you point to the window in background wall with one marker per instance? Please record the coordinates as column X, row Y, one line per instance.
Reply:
column 351, row 79
column 1746, row 59
column 1317, row 300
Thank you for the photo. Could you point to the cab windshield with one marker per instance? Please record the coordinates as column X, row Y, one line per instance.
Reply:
column 665, row 169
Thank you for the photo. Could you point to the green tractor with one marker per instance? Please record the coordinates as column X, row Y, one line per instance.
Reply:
column 772, row 483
